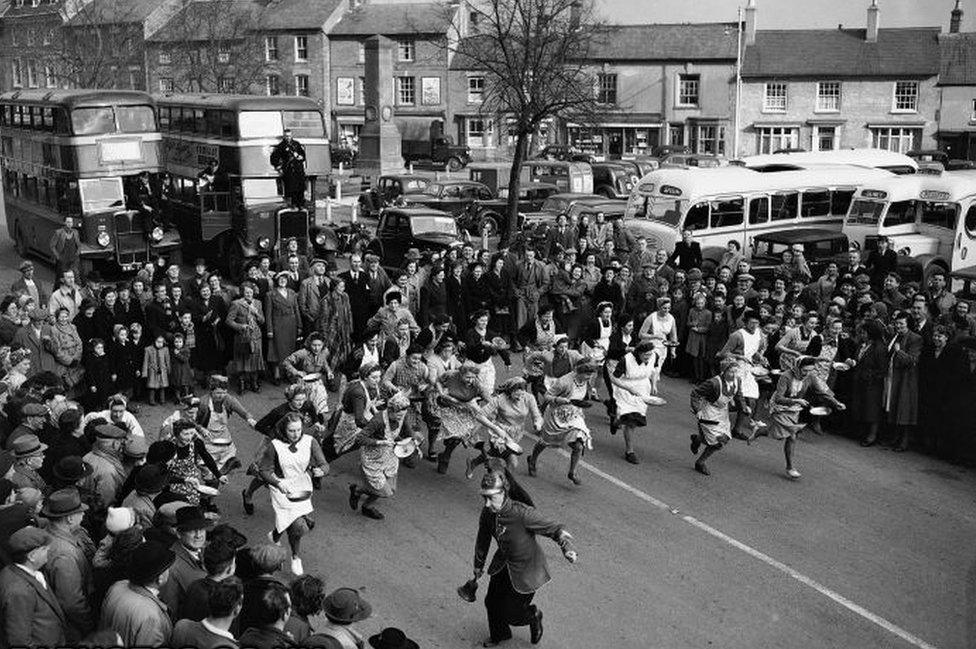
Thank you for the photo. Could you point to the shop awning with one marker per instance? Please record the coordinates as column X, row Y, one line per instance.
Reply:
column 778, row 124
column 621, row 120
column 826, row 121
column 894, row 124
column 350, row 119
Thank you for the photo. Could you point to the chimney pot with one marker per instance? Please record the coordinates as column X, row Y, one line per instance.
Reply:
column 750, row 35
column 955, row 22
column 874, row 16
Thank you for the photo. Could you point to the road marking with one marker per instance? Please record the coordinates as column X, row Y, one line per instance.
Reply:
column 855, row 608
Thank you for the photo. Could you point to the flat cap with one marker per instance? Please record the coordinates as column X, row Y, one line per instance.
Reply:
column 109, row 431
column 34, row 410
column 28, row 538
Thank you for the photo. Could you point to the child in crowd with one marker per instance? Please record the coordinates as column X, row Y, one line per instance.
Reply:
column 99, row 375
column 180, row 374
column 155, row 369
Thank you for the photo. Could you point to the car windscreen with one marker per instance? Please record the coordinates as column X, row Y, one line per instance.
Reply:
column 135, row 119
column 433, row 225
column 864, row 212
column 93, row 121
column 662, row 209
column 99, row 194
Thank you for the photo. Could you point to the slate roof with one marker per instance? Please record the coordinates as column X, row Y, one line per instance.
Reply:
column 9, row 10
column 958, row 59
column 392, row 19
column 687, row 42
column 911, row 52
column 196, row 22
column 299, row 14
column 104, row 12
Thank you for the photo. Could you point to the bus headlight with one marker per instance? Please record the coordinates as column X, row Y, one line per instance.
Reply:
column 157, row 234
column 103, row 239
column 264, row 243
column 320, row 239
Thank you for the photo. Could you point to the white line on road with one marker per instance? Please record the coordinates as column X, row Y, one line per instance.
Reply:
column 765, row 558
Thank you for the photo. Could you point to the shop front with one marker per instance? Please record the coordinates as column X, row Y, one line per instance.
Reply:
column 617, row 136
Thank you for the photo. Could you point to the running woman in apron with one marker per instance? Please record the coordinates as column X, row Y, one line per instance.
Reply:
column 710, row 402
column 213, row 416
column 288, row 465
column 747, row 347
column 633, row 392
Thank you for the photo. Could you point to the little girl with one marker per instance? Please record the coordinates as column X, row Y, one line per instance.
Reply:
column 135, row 351
column 99, row 377
column 180, row 375
column 156, row 369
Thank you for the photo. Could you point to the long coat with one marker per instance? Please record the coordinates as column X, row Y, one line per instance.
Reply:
column 867, row 392
column 246, row 323
column 529, row 280
column 41, row 348
column 514, row 529
column 182, row 573
column 69, row 574
column 902, row 384
column 357, row 288
column 156, row 367
column 30, row 615
column 433, row 302
column 941, row 398
column 138, row 616
column 281, row 314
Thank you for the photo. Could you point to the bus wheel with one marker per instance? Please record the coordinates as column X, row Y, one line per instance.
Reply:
column 454, row 164
column 20, row 242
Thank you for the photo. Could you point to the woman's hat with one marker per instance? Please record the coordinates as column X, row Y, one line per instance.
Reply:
column 63, row 502
column 392, row 638
column 151, row 478
column 148, row 561
column 191, row 518
column 119, row 519
column 280, row 273
column 71, row 469
column 345, row 606
column 27, row 446
column 399, row 401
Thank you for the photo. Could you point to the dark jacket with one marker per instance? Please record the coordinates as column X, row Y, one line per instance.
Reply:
column 192, row 633
column 30, row 614
column 184, row 572
column 433, row 302
column 514, row 529
column 265, row 638
column 688, row 255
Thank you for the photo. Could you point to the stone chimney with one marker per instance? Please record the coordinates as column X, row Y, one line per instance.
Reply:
column 575, row 11
column 874, row 15
column 956, row 20
column 750, row 36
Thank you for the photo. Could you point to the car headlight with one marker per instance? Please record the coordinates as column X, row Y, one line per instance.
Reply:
column 103, row 239
column 157, row 234
column 264, row 243
column 320, row 239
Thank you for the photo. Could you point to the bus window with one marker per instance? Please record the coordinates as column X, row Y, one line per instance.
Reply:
column 260, row 123
column 303, row 123
column 784, row 205
column 816, row 203
column 260, row 189
column 47, row 119
column 727, row 213
column 900, row 213
column 99, row 194
column 697, row 217
column 840, row 201
column 865, row 212
column 759, row 210
column 970, row 221
column 199, row 121
column 62, row 126
column 136, row 119
column 164, row 118
column 942, row 215
column 93, row 121
column 227, row 124
column 18, row 115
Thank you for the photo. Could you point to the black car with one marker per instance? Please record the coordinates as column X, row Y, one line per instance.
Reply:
column 451, row 196
column 566, row 153
column 388, row 189
column 820, row 247
column 483, row 216
column 614, row 179
column 402, row 228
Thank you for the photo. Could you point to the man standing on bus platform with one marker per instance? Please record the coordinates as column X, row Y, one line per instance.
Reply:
column 288, row 158
column 64, row 247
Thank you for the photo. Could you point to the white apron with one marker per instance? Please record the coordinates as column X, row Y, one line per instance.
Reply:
column 718, row 430
column 217, row 429
column 604, row 339
column 637, row 377
column 750, row 345
column 294, row 468
column 370, row 357
column 347, row 432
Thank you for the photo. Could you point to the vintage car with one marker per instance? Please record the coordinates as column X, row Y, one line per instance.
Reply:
column 820, row 247
column 402, row 228
column 485, row 216
column 451, row 196
column 567, row 153
column 388, row 189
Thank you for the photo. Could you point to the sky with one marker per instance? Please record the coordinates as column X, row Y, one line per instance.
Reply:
column 790, row 14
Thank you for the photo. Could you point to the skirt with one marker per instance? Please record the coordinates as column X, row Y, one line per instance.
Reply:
column 696, row 344
column 248, row 356
column 457, row 423
column 632, row 419
column 562, row 425
column 785, row 422
column 346, row 434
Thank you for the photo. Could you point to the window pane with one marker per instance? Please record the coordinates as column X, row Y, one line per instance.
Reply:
column 260, row 124
column 136, row 119
column 759, row 210
column 784, row 206
column 93, row 121
column 697, row 218
column 727, row 213
column 941, row 215
column 900, row 213
column 840, row 201
column 816, row 203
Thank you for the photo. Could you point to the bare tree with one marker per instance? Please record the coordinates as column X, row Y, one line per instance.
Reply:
column 98, row 44
column 215, row 46
column 534, row 55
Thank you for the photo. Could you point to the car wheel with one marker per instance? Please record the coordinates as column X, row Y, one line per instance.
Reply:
column 454, row 164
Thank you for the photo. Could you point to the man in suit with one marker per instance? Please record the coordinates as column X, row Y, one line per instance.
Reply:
column 36, row 338
column 310, row 293
column 357, row 287
column 65, row 245
column 27, row 285
column 68, row 571
column 561, row 237
column 530, row 278
column 29, row 612
column 378, row 281
column 132, row 607
column 518, row 568
column 687, row 252
column 881, row 261
column 433, row 297
column 192, row 527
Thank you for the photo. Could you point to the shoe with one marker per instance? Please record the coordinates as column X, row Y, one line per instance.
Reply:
column 531, row 464
column 431, row 457
column 575, row 479
column 695, row 444
column 613, row 427
column 296, row 567
column 900, row 448
column 632, row 458
column 310, row 522
column 248, row 503
column 271, row 539
column 701, row 468
column 375, row 514
column 868, row 442
column 354, row 497
column 793, row 474
column 535, row 628
column 468, row 468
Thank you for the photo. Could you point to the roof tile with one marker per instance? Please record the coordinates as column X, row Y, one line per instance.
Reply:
column 958, row 59
column 413, row 18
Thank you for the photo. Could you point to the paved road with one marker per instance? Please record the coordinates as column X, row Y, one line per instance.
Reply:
column 870, row 549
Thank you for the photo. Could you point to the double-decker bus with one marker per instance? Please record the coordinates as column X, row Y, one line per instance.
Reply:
column 243, row 212
column 79, row 153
